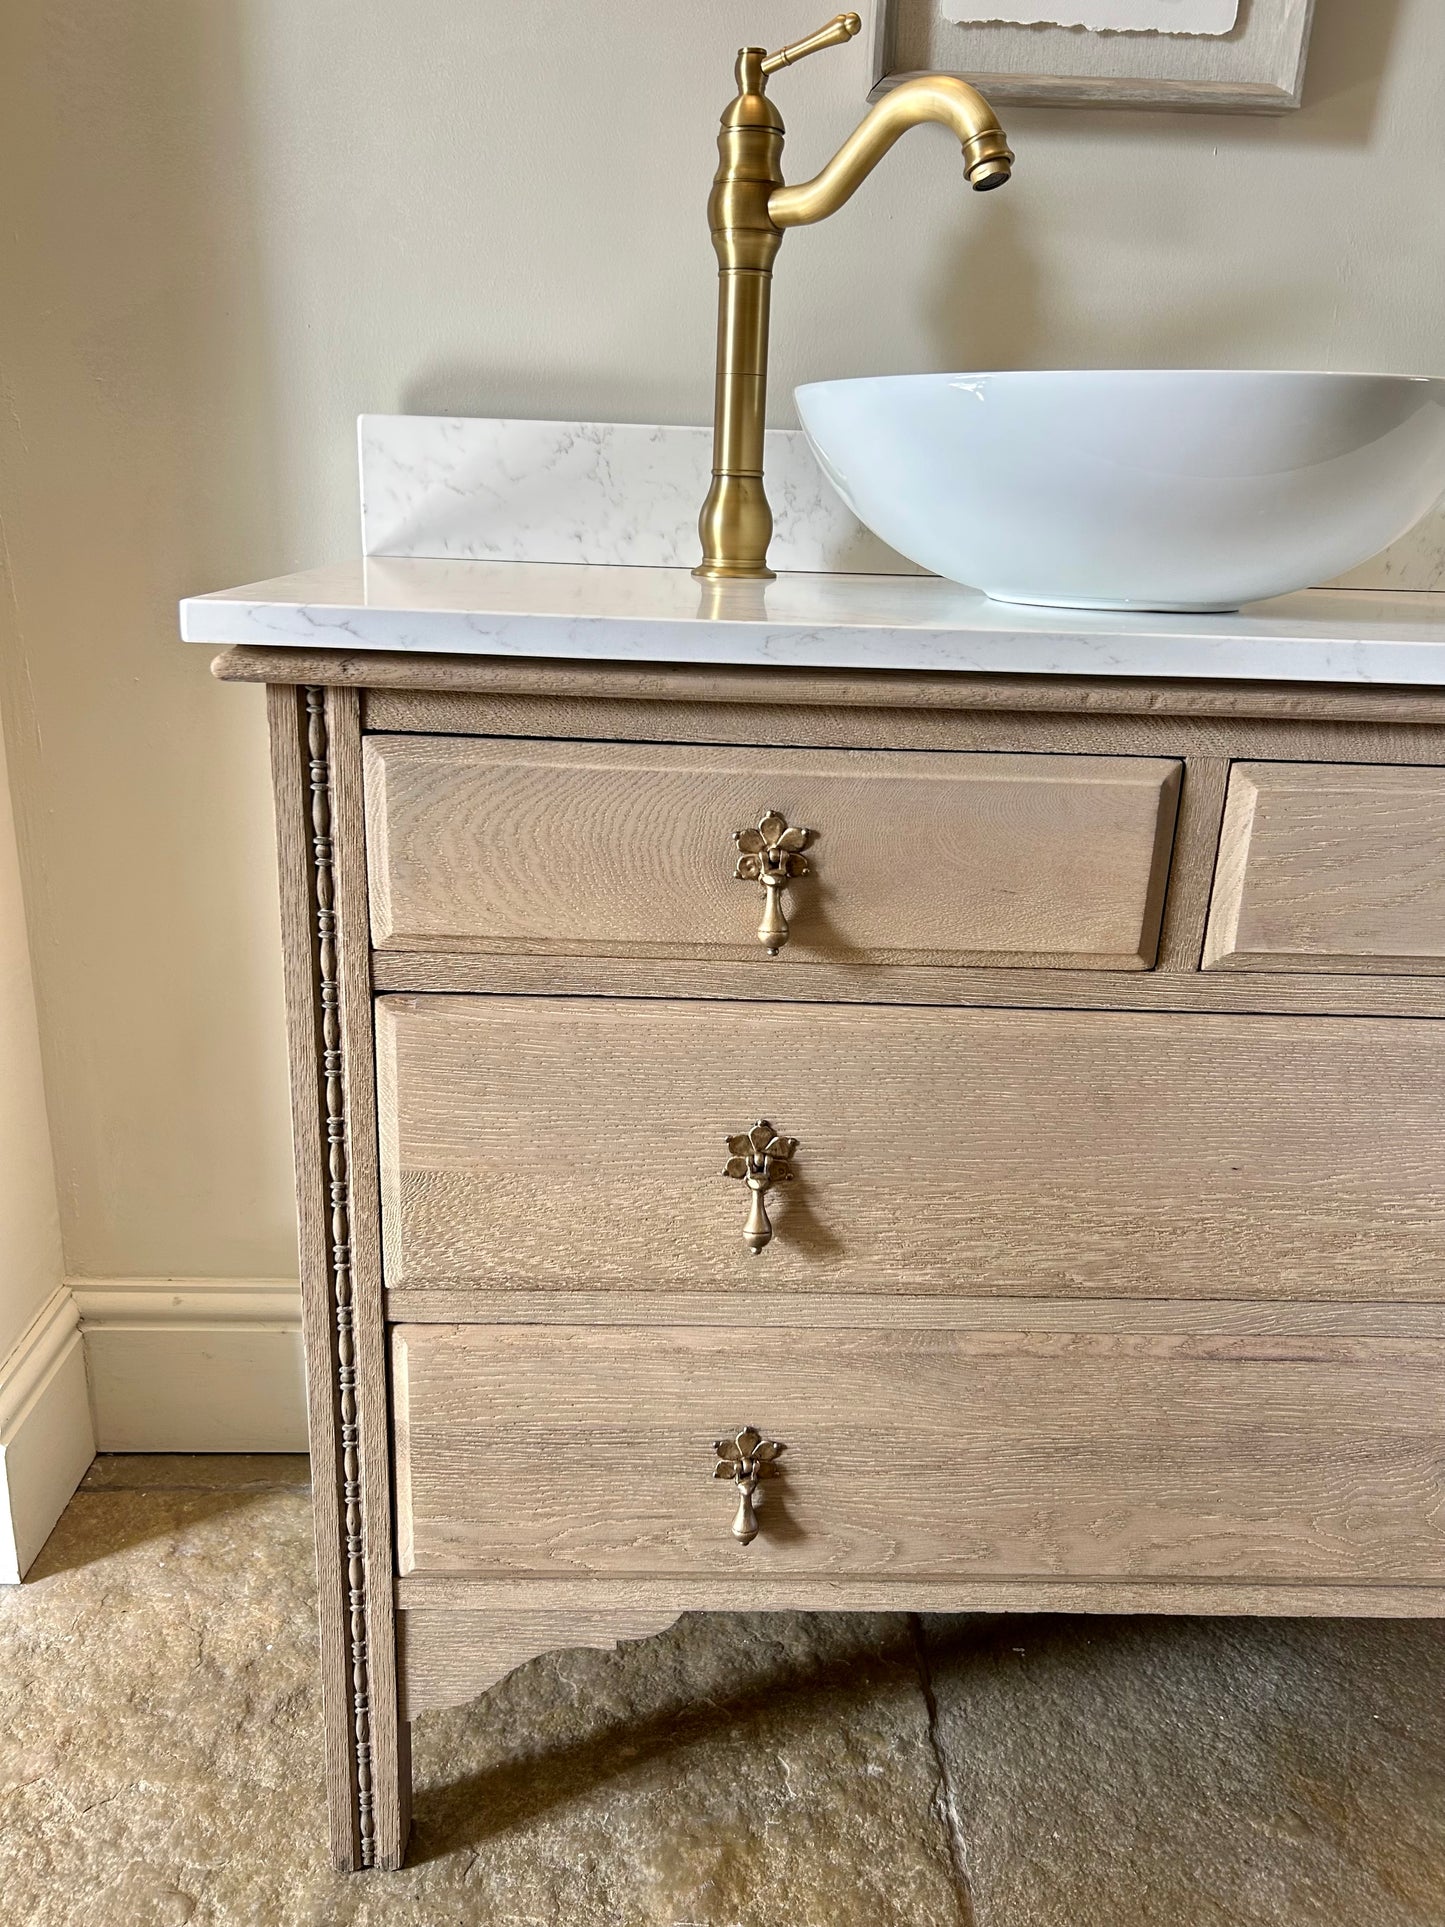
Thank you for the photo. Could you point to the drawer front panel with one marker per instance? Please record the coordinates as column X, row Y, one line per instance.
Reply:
column 937, row 1453
column 1330, row 867
column 627, row 849
column 568, row 1142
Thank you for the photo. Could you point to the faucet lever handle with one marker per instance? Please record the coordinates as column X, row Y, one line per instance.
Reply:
column 841, row 27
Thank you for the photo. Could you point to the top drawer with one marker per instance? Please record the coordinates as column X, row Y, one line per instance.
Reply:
column 628, row 849
column 1330, row 867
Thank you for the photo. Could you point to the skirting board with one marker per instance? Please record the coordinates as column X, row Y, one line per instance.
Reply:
column 194, row 1364
column 45, row 1432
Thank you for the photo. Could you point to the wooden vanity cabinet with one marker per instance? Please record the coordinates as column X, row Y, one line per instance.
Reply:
column 1110, row 1275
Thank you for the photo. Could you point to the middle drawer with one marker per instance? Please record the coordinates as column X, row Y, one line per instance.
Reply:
column 552, row 1143
column 627, row 849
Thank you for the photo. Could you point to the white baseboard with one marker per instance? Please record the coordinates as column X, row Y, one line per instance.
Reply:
column 142, row 1365
column 194, row 1364
column 46, row 1441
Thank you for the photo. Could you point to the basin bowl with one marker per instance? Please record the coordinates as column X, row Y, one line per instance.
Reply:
column 1133, row 489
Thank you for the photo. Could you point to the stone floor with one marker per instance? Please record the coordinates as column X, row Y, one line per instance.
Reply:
column 159, row 1756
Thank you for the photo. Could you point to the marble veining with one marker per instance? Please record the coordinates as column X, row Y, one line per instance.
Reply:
column 518, row 491
column 606, row 613
column 438, row 487
column 1416, row 561
column 576, row 540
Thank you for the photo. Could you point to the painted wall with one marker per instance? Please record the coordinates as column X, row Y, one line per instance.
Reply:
column 231, row 225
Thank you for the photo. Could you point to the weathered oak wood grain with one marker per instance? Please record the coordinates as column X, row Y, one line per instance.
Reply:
column 316, row 761
column 1247, row 993
column 290, row 730
column 1100, row 1289
column 554, row 1143
column 445, row 1658
column 1213, row 1318
column 1330, row 867
column 369, row 1468
column 831, row 1593
column 382, row 671
column 1191, row 870
column 1067, row 1455
column 1072, row 719
column 628, row 849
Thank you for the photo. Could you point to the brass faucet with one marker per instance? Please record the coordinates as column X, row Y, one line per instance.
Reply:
column 749, row 210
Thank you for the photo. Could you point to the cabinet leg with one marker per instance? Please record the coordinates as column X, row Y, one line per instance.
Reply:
column 316, row 762
column 393, row 1826
column 371, row 1820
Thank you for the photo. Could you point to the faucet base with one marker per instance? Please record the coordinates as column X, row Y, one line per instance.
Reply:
column 733, row 572
column 736, row 523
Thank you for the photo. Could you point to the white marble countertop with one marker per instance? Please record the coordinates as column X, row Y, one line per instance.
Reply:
column 610, row 613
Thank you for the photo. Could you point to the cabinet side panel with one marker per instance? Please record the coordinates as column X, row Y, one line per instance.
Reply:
column 290, row 771
column 316, row 754
column 372, row 1472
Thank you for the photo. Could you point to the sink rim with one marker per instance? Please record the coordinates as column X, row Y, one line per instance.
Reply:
column 1121, row 375
column 1167, row 489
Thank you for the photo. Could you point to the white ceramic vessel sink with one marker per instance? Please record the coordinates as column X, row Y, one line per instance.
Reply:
column 1133, row 489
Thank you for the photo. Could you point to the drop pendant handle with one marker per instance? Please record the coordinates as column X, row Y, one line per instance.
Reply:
column 744, row 1459
column 772, row 855
column 760, row 1159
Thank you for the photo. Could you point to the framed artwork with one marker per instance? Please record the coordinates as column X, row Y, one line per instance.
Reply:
column 1220, row 56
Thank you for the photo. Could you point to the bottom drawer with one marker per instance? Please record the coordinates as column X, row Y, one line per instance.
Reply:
column 928, row 1453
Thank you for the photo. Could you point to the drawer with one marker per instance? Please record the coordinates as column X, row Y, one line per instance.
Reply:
column 532, row 1142
column 1330, row 867
column 553, row 1452
column 479, row 844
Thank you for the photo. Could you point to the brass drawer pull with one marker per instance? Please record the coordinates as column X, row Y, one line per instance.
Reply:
column 763, row 1159
column 745, row 1459
column 772, row 855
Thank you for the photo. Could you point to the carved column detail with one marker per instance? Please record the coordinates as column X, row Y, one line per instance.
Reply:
column 333, row 1080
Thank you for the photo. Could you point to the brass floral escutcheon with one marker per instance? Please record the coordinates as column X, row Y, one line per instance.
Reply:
column 772, row 855
column 762, row 1159
column 746, row 1458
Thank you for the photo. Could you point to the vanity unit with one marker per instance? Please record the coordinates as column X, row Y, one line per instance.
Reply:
column 824, row 1092
column 1100, row 1041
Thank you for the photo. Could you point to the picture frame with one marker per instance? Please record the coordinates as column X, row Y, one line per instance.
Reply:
column 1257, row 69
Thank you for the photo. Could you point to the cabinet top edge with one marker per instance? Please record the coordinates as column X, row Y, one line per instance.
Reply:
column 866, row 689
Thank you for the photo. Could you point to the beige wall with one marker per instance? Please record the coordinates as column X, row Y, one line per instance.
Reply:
column 230, row 225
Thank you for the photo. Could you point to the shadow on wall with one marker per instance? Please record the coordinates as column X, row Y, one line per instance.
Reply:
column 1349, row 55
column 575, row 393
column 999, row 246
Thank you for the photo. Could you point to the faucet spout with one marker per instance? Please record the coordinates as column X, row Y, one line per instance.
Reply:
column 749, row 210
column 937, row 97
